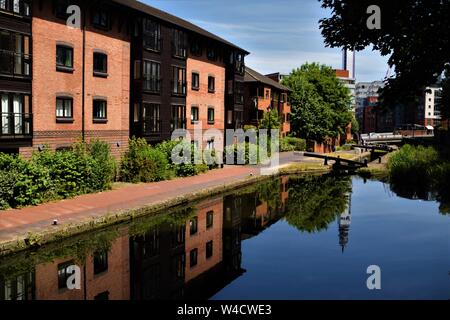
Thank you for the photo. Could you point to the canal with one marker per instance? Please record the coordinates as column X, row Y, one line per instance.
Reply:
column 291, row 238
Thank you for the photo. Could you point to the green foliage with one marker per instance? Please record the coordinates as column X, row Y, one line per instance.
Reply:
column 315, row 202
column 417, row 59
column 244, row 153
column 270, row 120
column 53, row 175
column 143, row 163
column 419, row 172
column 320, row 102
column 292, row 144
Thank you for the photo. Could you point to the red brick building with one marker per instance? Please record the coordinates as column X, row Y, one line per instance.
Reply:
column 263, row 94
column 129, row 70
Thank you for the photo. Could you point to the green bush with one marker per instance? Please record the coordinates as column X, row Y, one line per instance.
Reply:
column 292, row 144
column 184, row 169
column 412, row 163
column 104, row 165
column 251, row 155
column 143, row 163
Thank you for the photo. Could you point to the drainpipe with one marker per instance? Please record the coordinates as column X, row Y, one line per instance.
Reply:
column 83, row 29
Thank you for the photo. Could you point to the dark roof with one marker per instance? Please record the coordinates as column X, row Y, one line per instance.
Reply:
column 253, row 76
column 142, row 7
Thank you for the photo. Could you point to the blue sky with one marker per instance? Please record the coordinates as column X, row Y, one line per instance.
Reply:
column 280, row 34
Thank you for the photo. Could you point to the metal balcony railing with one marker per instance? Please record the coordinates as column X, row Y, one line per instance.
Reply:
column 152, row 84
column 179, row 88
column 16, row 124
column 178, row 124
column 151, row 126
column 15, row 64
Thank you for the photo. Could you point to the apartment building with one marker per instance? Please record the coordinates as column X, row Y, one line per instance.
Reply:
column 263, row 94
column 129, row 70
column 432, row 107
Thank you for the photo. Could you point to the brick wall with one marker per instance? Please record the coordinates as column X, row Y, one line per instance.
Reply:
column 202, row 98
column 116, row 280
column 203, row 236
column 48, row 82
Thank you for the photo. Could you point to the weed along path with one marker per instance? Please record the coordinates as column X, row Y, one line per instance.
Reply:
column 22, row 228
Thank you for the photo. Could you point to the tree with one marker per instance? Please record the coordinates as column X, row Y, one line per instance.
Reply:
column 270, row 120
column 415, row 34
column 320, row 102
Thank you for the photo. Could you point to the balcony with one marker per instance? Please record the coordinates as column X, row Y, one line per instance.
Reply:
column 239, row 67
column 152, row 84
column 15, row 64
column 179, row 88
column 152, row 43
column 151, row 127
column 178, row 124
column 16, row 125
column 20, row 8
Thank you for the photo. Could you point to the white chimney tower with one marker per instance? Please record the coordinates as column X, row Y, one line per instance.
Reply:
column 349, row 62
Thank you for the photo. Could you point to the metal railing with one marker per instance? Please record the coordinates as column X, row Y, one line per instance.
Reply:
column 16, row 124
column 179, row 88
column 152, row 84
column 151, row 42
column 151, row 126
column 178, row 124
column 15, row 64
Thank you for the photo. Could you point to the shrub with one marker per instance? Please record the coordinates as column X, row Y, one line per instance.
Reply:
column 104, row 165
column 143, row 163
column 410, row 161
column 292, row 144
column 251, row 155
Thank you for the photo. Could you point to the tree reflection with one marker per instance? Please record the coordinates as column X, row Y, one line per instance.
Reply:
column 315, row 202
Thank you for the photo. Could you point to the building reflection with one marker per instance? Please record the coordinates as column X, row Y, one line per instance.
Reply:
column 344, row 223
column 193, row 258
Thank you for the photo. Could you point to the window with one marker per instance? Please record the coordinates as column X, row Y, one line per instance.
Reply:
column 209, row 219
column 179, row 81
column 15, row 57
column 178, row 235
column 211, row 115
column 151, row 118
column 193, row 226
column 195, row 81
column 179, row 43
column 99, row 108
column 211, row 84
column 194, row 114
column 209, row 249
column 178, row 117
column 193, row 258
column 239, row 92
column 267, row 94
column 101, row 18
column 212, row 53
column 64, row 108
column 196, row 48
column 100, row 64
column 152, row 35
column 100, row 262
column 178, row 263
column 15, row 114
column 64, row 58
column 16, row 7
column 64, row 274
column 210, row 145
column 152, row 76
column 239, row 63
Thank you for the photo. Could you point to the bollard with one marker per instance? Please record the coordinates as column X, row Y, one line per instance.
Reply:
column 326, row 161
column 379, row 160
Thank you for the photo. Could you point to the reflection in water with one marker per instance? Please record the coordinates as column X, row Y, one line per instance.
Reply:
column 192, row 253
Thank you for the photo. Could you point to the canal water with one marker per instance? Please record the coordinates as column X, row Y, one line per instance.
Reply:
column 292, row 238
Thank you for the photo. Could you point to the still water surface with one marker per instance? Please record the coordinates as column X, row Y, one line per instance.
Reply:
column 293, row 238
